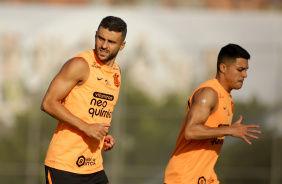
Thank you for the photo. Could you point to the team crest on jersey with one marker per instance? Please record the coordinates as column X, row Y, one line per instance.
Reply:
column 116, row 81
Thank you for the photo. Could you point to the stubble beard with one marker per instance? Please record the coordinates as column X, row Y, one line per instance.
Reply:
column 110, row 57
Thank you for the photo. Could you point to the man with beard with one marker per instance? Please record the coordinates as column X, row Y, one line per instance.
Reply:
column 82, row 97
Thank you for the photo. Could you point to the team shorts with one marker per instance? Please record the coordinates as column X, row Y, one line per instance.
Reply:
column 55, row 176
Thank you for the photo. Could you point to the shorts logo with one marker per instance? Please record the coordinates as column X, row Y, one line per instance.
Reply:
column 116, row 81
column 80, row 161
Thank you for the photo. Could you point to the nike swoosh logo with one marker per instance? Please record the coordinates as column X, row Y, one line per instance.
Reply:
column 99, row 78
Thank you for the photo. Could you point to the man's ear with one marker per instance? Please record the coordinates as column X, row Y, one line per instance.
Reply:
column 222, row 68
column 122, row 46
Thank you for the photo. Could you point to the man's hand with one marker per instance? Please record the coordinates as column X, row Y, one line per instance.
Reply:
column 97, row 130
column 241, row 131
column 109, row 143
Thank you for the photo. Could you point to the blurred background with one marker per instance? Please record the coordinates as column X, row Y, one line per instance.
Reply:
column 172, row 47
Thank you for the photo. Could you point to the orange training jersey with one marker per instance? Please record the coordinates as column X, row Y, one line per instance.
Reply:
column 192, row 162
column 70, row 149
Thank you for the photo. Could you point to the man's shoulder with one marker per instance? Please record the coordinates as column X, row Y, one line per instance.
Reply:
column 77, row 63
column 206, row 92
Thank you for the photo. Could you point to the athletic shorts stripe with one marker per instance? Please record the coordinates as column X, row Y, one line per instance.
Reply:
column 49, row 178
column 55, row 176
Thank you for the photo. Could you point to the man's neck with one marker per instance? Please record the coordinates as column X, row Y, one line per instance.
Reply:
column 223, row 83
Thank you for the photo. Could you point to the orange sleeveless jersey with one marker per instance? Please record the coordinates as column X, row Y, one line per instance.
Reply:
column 93, row 102
column 192, row 162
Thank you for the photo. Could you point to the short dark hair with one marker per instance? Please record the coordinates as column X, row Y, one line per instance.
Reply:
column 230, row 53
column 114, row 24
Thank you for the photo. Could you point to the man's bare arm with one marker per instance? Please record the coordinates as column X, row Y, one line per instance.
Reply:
column 74, row 72
column 204, row 104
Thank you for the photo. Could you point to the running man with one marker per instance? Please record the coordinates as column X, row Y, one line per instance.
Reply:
column 207, row 120
column 82, row 97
